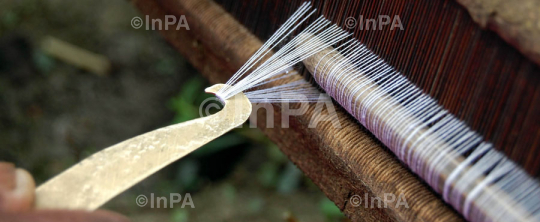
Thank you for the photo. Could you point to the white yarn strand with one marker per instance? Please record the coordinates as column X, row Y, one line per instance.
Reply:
column 476, row 179
column 316, row 37
column 483, row 186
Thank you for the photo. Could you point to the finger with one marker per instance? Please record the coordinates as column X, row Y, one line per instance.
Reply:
column 7, row 175
column 16, row 190
column 63, row 216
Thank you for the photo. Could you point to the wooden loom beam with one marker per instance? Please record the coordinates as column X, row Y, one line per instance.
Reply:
column 342, row 162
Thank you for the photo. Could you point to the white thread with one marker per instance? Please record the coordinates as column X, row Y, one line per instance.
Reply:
column 316, row 37
column 427, row 138
column 483, row 186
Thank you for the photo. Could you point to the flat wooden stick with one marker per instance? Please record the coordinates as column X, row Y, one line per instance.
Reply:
column 76, row 56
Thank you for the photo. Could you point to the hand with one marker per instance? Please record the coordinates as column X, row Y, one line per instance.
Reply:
column 17, row 197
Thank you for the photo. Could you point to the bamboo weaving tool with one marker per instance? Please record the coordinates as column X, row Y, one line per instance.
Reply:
column 100, row 177
column 473, row 73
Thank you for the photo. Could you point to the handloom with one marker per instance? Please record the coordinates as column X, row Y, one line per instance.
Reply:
column 443, row 56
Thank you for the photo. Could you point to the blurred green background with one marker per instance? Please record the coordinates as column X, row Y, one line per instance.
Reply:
column 53, row 114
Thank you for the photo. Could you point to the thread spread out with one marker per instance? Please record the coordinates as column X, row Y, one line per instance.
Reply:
column 256, row 72
column 477, row 180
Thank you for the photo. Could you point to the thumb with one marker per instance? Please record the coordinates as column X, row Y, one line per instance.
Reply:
column 17, row 189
